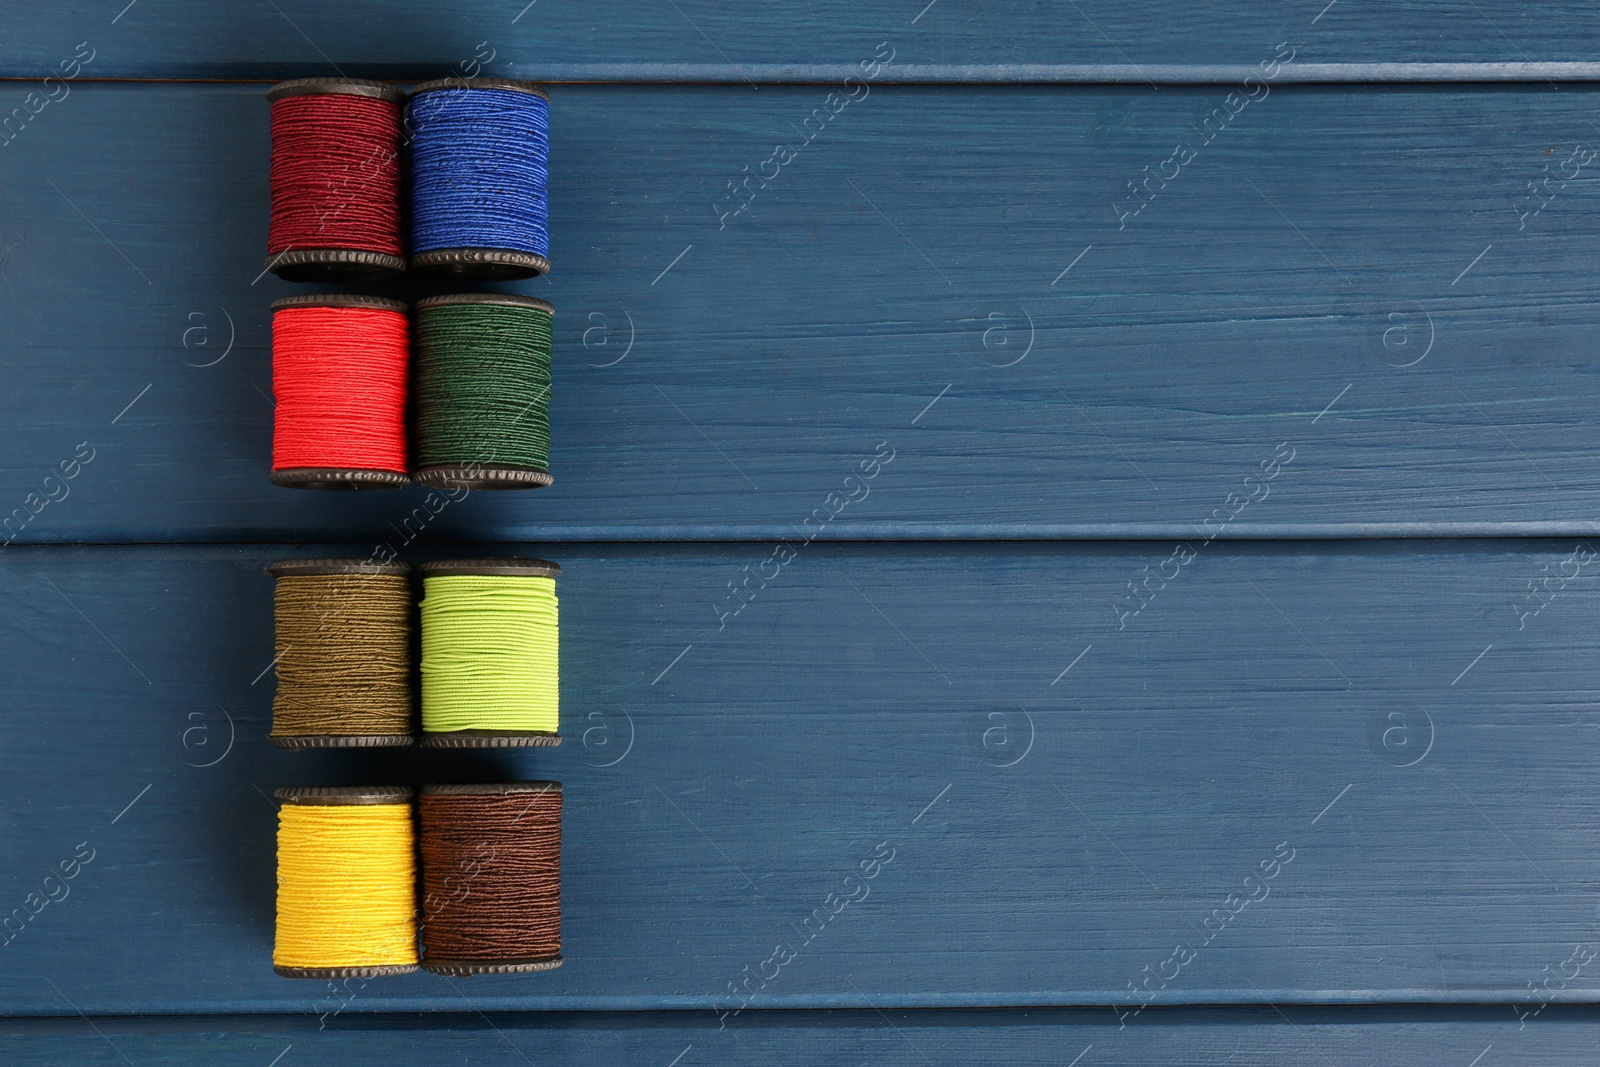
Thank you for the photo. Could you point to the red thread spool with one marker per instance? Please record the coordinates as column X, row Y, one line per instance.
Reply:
column 335, row 180
column 339, row 371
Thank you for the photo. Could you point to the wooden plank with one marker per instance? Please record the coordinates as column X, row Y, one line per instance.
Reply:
column 1066, row 802
column 1409, row 1037
column 722, row 383
column 953, row 39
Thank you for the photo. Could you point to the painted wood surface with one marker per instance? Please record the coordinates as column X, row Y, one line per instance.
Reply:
column 1350, row 315
column 1053, row 810
column 941, row 269
column 1406, row 1037
column 944, row 40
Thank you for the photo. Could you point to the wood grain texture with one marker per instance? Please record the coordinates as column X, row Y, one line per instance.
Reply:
column 1065, row 802
column 964, row 40
column 721, row 383
column 1407, row 1037
column 1073, row 752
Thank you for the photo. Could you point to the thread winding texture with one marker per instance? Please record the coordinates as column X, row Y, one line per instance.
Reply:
column 339, row 380
column 343, row 655
column 489, row 654
column 347, row 885
column 335, row 174
column 479, row 160
column 483, row 384
column 491, row 875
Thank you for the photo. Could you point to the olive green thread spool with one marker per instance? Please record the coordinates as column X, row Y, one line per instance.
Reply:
column 490, row 654
column 344, row 654
column 482, row 364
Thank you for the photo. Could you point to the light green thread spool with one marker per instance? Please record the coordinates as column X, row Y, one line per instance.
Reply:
column 490, row 653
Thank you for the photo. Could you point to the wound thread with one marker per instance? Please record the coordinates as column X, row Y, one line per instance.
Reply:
column 335, row 180
column 480, row 150
column 339, row 378
column 343, row 654
column 491, row 877
column 483, row 380
column 490, row 653
column 347, row 883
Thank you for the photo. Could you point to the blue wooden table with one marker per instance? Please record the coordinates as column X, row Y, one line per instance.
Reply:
column 1080, row 481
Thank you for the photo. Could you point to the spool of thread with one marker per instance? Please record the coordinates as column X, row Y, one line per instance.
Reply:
column 347, row 883
column 483, row 391
column 335, row 180
column 480, row 149
column 345, row 638
column 491, row 877
column 490, row 637
column 339, row 375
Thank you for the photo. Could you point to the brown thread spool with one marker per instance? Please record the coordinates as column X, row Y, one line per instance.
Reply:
column 491, row 877
column 344, row 646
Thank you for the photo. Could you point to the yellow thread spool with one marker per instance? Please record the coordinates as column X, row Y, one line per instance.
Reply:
column 347, row 883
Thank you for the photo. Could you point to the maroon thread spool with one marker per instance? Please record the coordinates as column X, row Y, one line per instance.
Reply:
column 335, row 180
column 491, row 877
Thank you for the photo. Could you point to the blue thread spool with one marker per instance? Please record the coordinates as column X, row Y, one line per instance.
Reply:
column 480, row 150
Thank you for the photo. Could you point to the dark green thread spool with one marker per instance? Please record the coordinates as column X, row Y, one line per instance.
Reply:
column 482, row 417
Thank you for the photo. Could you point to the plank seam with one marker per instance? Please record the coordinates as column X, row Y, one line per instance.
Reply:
column 691, row 74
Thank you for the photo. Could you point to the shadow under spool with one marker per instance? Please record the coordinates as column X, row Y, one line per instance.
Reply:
column 335, row 181
column 492, row 737
column 289, row 874
column 491, row 877
column 482, row 366
column 450, row 159
column 345, row 642
column 343, row 368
